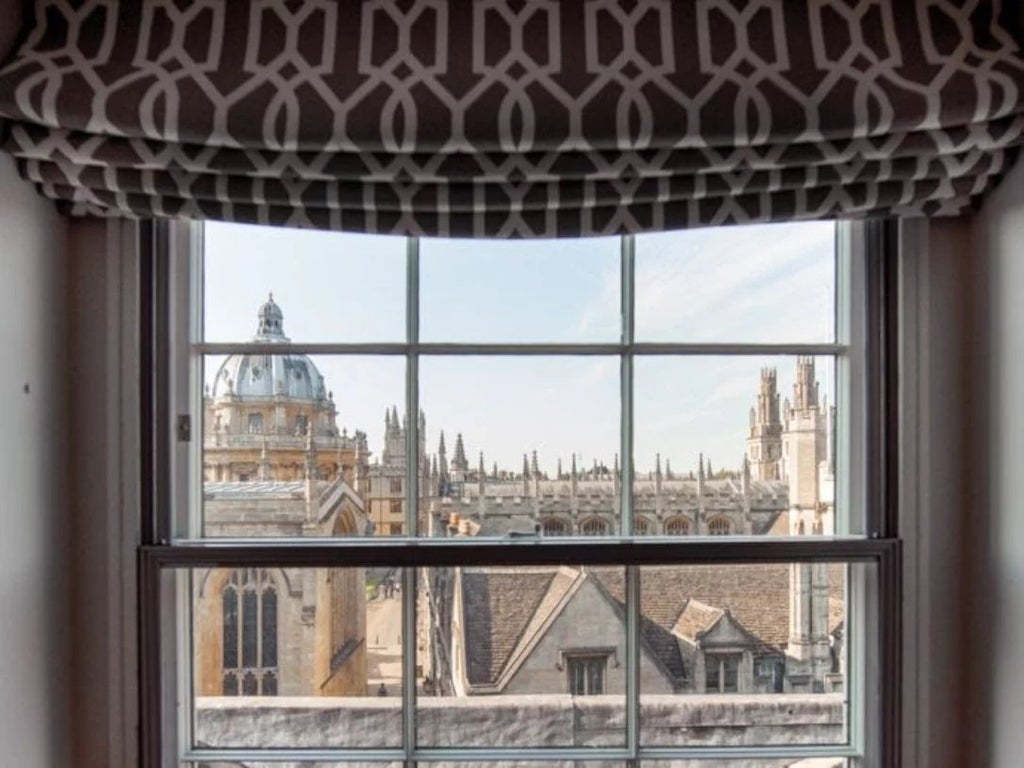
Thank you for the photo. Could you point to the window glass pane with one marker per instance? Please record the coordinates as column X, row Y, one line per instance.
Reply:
column 761, row 283
column 273, row 284
column 736, row 445
column 513, row 444
column 520, row 290
column 330, row 672
column 255, row 484
column 521, row 657
column 230, row 623
column 269, row 627
column 774, row 637
column 250, row 638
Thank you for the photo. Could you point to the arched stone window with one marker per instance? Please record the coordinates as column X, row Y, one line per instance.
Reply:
column 249, row 613
column 255, row 424
column 720, row 526
column 643, row 527
column 552, row 526
column 593, row 526
column 677, row 526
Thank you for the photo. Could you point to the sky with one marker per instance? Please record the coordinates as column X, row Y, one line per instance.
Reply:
column 763, row 283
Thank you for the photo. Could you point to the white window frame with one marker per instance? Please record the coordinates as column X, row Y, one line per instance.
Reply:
column 160, row 556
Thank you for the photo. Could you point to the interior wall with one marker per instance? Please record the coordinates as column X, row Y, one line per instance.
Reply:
column 934, row 487
column 994, row 614
column 104, row 483
column 34, row 519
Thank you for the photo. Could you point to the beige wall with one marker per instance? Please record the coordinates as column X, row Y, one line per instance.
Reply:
column 34, row 520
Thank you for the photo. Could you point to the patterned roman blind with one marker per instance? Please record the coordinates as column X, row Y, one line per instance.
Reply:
column 514, row 118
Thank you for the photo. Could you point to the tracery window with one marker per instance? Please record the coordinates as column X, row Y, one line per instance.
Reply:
column 593, row 526
column 719, row 526
column 552, row 526
column 249, row 632
column 677, row 526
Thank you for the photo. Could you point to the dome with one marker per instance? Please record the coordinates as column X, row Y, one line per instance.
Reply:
column 264, row 376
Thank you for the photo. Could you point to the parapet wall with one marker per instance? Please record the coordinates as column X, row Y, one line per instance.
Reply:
column 528, row 721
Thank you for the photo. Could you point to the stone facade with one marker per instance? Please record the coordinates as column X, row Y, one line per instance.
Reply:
column 276, row 465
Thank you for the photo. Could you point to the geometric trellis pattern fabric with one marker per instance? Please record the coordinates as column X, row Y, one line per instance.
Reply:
column 514, row 118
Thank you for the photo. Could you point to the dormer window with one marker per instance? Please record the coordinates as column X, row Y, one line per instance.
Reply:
column 722, row 672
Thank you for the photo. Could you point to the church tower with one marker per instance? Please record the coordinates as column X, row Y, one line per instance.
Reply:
column 764, row 441
column 805, row 440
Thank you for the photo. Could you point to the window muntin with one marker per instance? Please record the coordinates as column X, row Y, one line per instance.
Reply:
column 623, row 417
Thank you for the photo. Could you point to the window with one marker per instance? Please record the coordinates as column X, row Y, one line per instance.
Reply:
column 586, row 674
column 722, row 673
column 668, row 350
column 249, row 620
column 720, row 526
column 677, row 526
column 255, row 423
column 552, row 526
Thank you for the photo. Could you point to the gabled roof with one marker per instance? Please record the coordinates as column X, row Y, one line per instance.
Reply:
column 696, row 619
column 507, row 610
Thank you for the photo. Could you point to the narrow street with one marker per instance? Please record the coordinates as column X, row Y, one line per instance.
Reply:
column 384, row 644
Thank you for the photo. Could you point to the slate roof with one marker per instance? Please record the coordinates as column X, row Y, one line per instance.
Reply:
column 498, row 605
column 757, row 595
column 506, row 609
column 270, row 489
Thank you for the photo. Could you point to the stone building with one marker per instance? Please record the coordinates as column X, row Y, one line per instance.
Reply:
column 494, row 631
column 275, row 464
column 261, row 408
column 704, row 629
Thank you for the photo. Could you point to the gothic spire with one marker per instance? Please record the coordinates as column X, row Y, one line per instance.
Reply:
column 459, row 459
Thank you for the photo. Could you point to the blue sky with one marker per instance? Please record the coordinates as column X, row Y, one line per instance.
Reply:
column 765, row 283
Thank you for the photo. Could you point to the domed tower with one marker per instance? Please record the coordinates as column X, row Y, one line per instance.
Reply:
column 259, row 409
